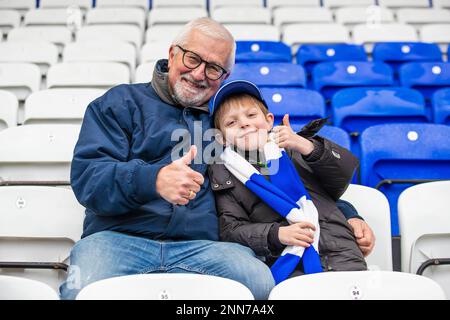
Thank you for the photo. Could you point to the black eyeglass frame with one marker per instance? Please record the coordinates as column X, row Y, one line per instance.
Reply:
column 224, row 71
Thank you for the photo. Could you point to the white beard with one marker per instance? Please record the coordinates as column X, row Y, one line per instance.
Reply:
column 194, row 97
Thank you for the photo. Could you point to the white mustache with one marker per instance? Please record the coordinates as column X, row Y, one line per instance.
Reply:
column 202, row 84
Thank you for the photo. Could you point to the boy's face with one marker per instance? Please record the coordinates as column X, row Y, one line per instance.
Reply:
column 246, row 127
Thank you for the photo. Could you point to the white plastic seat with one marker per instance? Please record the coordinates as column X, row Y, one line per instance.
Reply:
column 162, row 33
column 213, row 4
column 165, row 287
column 84, row 4
column 53, row 17
column 101, row 75
column 43, row 54
column 101, row 51
column 144, row 72
column 21, row 5
column 332, row 4
column 37, row 153
column 16, row 288
column 40, row 224
column 256, row 32
column 315, row 33
column 133, row 16
column 8, row 110
column 20, row 79
column 178, row 3
column 374, row 208
column 441, row 4
column 357, row 285
column 9, row 19
column 126, row 33
column 153, row 51
column 438, row 33
column 122, row 3
column 418, row 17
column 289, row 15
column 242, row 15
column 57, row 34
column 174, row 15
column 404, row 3
column 425, row 228
column 59, row 105
column 292, row 3
column 368, row 15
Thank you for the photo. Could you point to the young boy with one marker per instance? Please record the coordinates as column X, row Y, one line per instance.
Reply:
column 325, row 169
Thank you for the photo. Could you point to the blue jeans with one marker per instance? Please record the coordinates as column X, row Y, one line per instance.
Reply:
column 109, row 254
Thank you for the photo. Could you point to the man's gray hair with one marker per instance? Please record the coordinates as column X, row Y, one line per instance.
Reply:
column 210, row 28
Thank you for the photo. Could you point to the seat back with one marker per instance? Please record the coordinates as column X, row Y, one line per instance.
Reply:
column 16, row 288
column 441, row 106
column 262, row 51
column 8, row 109
column 21, row 79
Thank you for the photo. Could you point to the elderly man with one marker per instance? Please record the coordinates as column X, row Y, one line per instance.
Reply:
column 145, row 211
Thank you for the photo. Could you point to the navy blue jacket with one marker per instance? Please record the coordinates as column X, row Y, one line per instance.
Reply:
column 124, row 141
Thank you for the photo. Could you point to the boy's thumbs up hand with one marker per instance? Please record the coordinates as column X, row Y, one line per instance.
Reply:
column 286, row 138
column 286, row 120
column 177, row 182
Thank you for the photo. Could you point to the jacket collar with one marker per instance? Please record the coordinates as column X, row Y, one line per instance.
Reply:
column 160, row 84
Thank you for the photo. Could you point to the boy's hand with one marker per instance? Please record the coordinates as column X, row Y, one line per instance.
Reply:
column 286, row 138
column 297, row 234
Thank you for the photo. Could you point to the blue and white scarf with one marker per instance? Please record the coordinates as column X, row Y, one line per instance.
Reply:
column 286, row 194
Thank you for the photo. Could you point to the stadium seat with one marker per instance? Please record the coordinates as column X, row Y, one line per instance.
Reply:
column 437, row 33
column 17, row 288
column 178, row 3
column 213, row 4
column 308, row 55
column 44, row 155
column 58, row 105
column 38, row 227
column 20, row 79
column 84, row 4
column 52, row 17
column 8, row 111
column 262, row 51
column 101, row 51
column 441, row 106
column 395, row 156
column 350, row 16
column 418, row 17
column 274, row 74
column 43, row 54
column 441, row 4
column 144, row 4
column 174, row 15
column 153, row 51
column 332, row 4
column 328, row 77
column 127, row 33
column 162, row 33
column 254, row 32
column 9, row 19
column 337, row 135
column 21, row 5
column 295, row 34
column 132, row 16
column 374, row 207
column 242, row 15
column 404, row 3
column 356, row 109
column 426, row 77
column 58, row 35
column 144, row 72
column 103, row 75
column 425, row 227
column 165, row 287
column 397, row 53
column 272, row 4
column 302, row 105
column 358, row 285
column 290, row 15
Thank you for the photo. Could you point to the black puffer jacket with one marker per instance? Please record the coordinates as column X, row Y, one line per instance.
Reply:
column 246, row 219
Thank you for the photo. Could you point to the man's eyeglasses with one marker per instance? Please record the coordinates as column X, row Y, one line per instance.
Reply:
column 192, row 61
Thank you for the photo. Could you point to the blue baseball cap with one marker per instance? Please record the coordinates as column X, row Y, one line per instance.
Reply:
column 234, row 87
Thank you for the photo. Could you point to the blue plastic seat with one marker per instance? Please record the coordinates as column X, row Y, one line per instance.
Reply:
column 441, row 106
column 262, row 51
column 427, row 77
column 329, row 77
column 308, row 55
column 397, row 53
column 276, row 74
column 397, row 156
column 302, row 105
column 337, row 135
